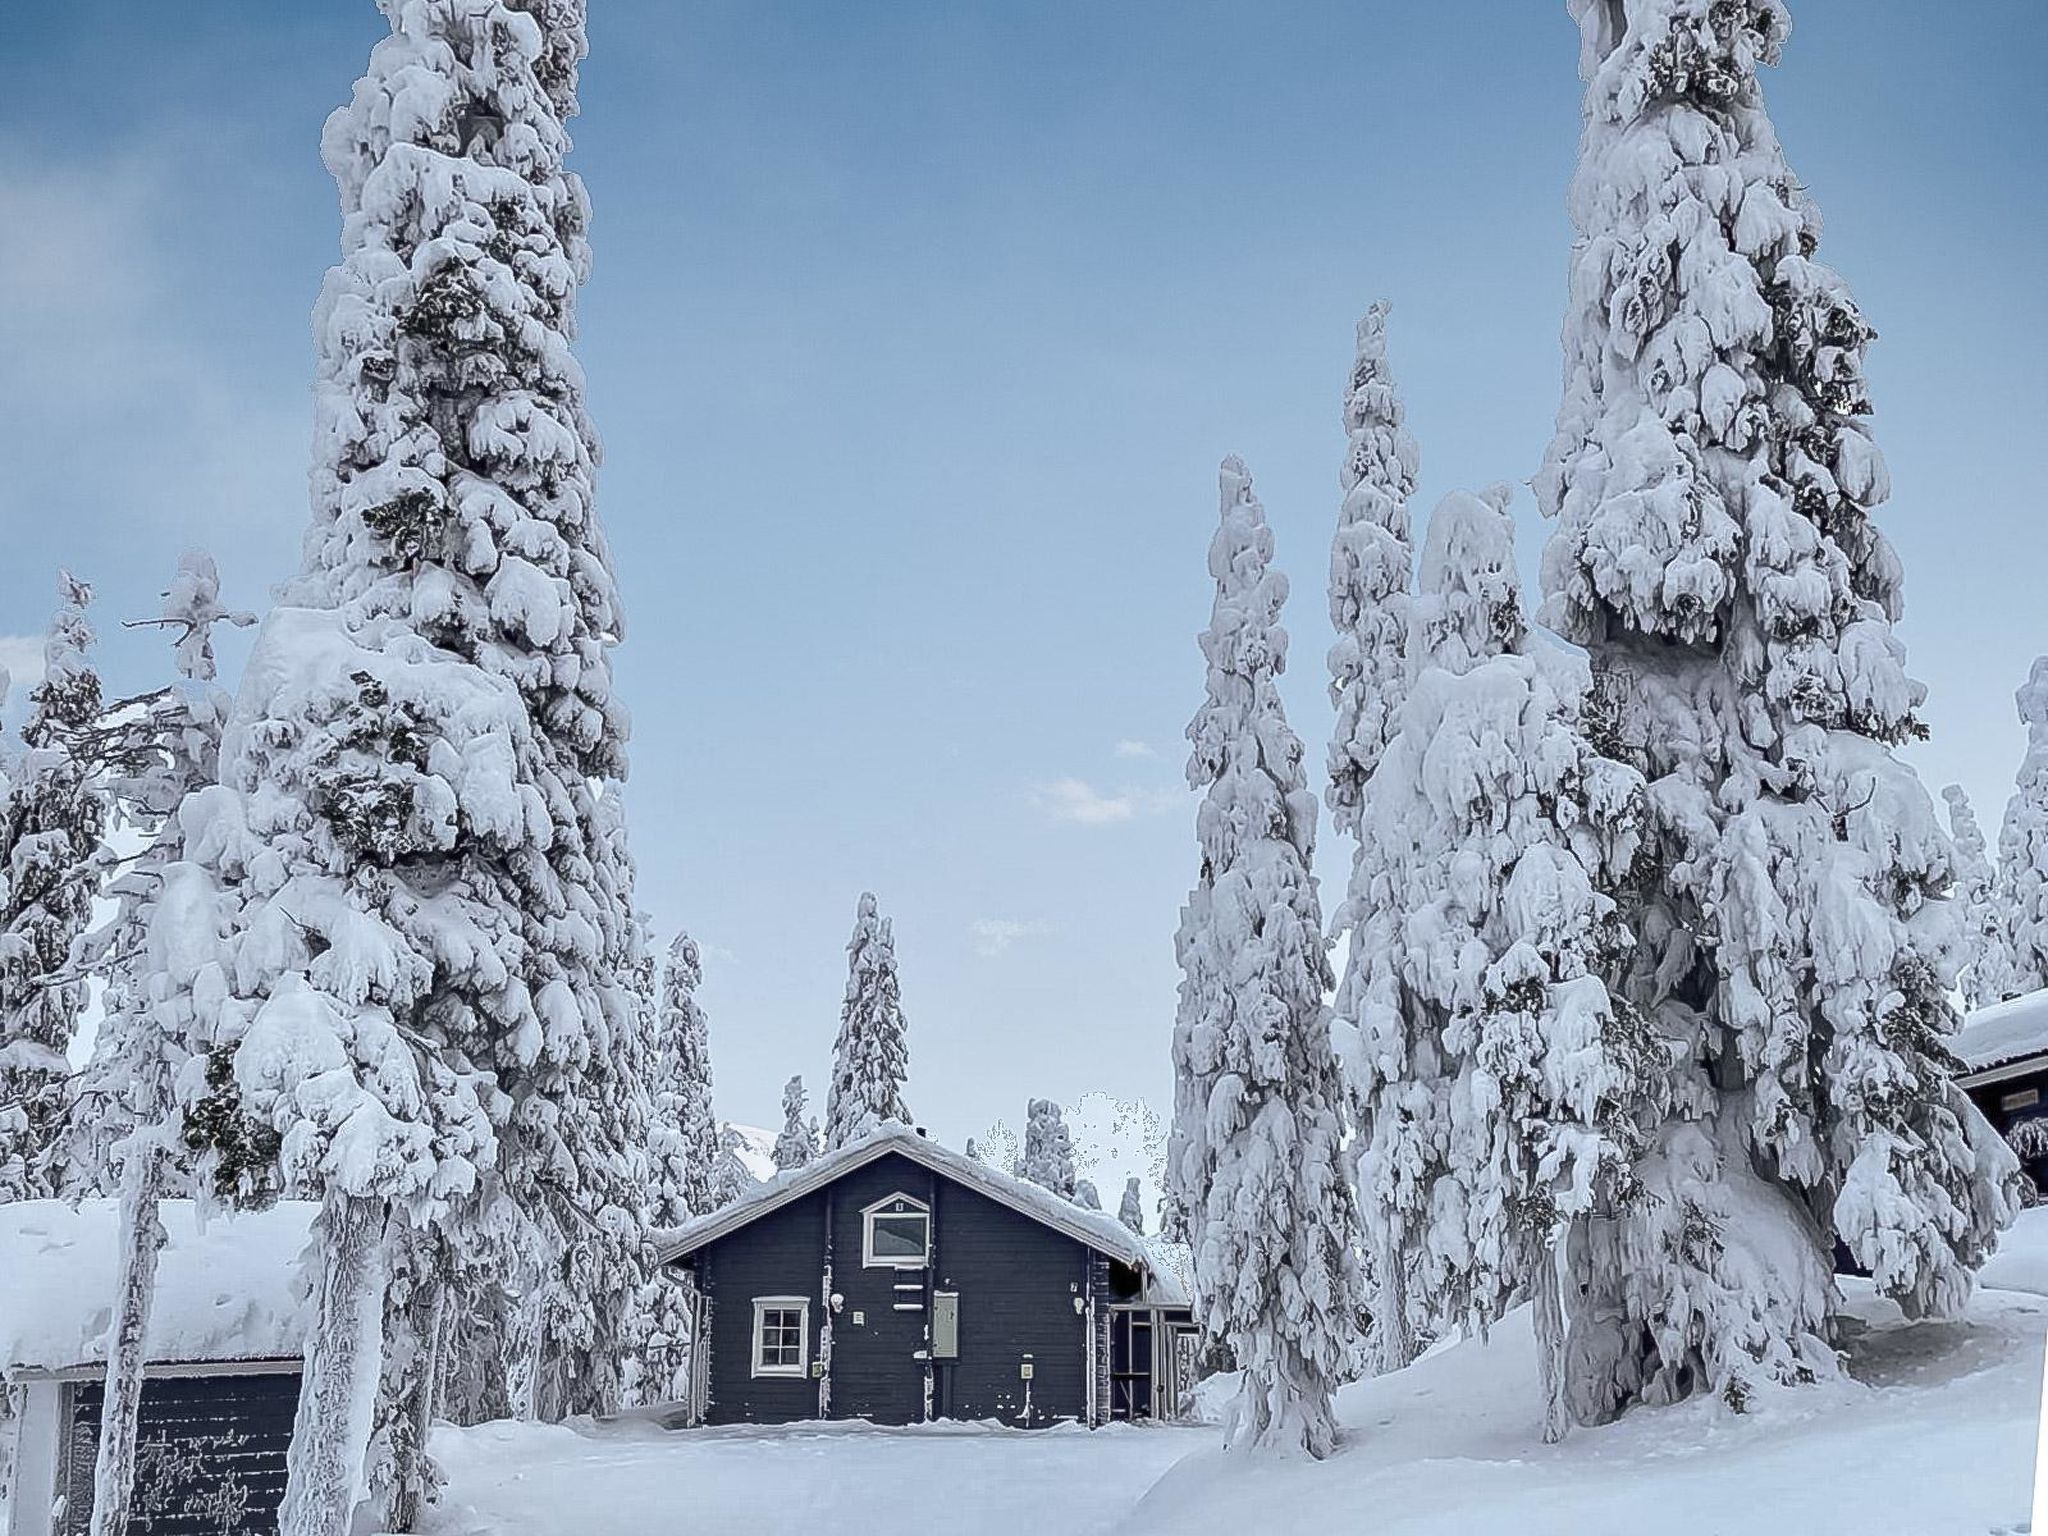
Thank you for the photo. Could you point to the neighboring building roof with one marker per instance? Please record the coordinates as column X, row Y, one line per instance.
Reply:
column 2004, row 1033
column 1094, row 1229
column 227, row 1291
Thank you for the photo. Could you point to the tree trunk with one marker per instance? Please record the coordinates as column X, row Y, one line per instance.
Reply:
column 402, row 1476
column 1550, row 1342
column 1397, row 1342
column 142, row 1241
column 331, row 1435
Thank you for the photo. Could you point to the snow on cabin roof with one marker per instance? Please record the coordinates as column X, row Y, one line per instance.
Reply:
column 224, row 1292
column 1096, row 1229
column 2005, row 1032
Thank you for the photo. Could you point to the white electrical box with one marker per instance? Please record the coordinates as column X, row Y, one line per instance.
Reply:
column 859, row 1318
column 1024, row 1371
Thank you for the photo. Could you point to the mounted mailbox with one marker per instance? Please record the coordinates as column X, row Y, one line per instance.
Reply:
column 945, row 1325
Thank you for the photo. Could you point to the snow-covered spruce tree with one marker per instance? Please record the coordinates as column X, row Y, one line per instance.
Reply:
column 684, row 1131
column 1048, row 1150
column 50, row 829
column 1086, row 1196
column 1255, row 1169
column 1491, row 840
column 2020, row 964
column 798, row 1142
column 159, row 955
column 428, row 968
column 871, row 1057
column 731, row 1179
column 1131, row 1209
column 1983, row 953
column 1712, row 482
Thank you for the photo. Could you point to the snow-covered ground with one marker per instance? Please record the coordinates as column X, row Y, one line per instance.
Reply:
column 1933, row 1435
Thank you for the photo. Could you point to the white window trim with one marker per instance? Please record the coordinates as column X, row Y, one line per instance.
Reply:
column 801, row 1305
column 868, row 1257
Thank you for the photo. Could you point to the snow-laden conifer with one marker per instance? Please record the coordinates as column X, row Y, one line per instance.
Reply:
column 1712, row 482
column 1500, row 1087
column 1255, row 1168
column 871, row 1057
column 731, row 1179
column 430, row 1020
column 1131, row 1209
column 1983, row 953
column 797, row 1143
column 51, row 824
column 1048, row 1149
column 1086, row 1196
column 2020, row 963
column 683, row 1130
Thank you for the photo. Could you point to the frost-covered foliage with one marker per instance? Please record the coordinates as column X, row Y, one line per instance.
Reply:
column 1048, row 1150
column 683, row 1131
column 1983, row 952
column 1255, row 1172
column 2020, row 963
column 1371, row 570
column 1086, row 1195
column 797, row 1142
column 1131, row 1209
column 871, row 1057
column 731, row 1179
column 1712, row 482
column 51, row 821
column 1499, row 1087
column 431, row 1009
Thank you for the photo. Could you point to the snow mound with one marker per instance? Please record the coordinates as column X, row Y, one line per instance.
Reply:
column 226, row 1290
column 1931, row 1431
column 2004, row 1032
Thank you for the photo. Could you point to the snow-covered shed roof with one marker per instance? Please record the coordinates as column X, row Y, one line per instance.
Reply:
column 225, row 1291
column 1096, row 1229
column 2004, row 1033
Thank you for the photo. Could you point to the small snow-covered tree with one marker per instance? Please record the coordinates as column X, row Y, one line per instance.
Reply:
column 1712, row 481
column 2019, row 963
column 1048, row 1150
column 51, row 824
column 1501, row 1089
column 1131, row 1209
column 1085, row 1195
column 1983, row 953
column 683, row 1130
column 871, row 1057
column 798, row 1142
column 731, row 1178
column 1255, row 1169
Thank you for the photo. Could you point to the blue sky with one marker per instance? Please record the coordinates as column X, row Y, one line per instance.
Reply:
column 916, row 334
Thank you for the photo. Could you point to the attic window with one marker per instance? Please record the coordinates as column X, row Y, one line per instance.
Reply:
column 896, row 1233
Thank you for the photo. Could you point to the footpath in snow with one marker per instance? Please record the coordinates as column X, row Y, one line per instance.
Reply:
column 1932, row 1435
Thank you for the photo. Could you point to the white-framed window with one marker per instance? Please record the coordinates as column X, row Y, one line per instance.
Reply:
column 896, row 1233
column 782, row 1335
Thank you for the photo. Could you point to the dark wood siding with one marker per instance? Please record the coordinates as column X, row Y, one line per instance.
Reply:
column 210, row 1454
column 782, row 1254
column 1024, row 1290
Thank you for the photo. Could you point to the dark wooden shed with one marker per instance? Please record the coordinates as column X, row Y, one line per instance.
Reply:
column 2004, row 1049
column 896, row 1281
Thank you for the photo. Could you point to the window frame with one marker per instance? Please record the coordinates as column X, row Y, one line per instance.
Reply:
column 763, row 1305
column 869, row 1259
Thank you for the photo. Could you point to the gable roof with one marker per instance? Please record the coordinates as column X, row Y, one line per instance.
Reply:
column 1092, row 1229
column 2003, row 1033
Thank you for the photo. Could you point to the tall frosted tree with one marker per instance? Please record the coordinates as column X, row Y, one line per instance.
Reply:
column 1255, row 1168
column 1502, row 1090
column 1048, row 1149
column 797, row 1143
column 871, row 1057
column 1983, row 952
column 431, row 1018
column 51, row 824
column 2020, row 963
column 685, row 1139
column 1712, row 482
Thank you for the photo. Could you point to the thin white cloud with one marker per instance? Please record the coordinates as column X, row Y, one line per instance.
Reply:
column 1129, row 748
column 994, row 935
column 1079, row 802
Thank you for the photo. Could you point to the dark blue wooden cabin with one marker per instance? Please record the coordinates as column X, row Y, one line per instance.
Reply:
column 898, row 1282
